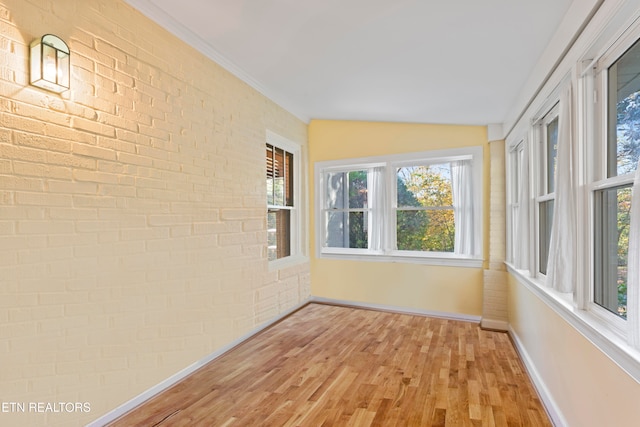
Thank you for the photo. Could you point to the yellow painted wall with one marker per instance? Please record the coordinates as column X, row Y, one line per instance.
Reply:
column 434, row 288
column 132, row 212
column 586, row 385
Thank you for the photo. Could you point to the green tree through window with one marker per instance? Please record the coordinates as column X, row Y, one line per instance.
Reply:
column 425, row 220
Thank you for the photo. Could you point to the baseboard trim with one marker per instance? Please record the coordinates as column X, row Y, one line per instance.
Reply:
column 554, row 412
column 397, row 309
column 158, row 388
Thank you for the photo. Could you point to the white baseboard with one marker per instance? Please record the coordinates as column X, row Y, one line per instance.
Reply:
column 396, row 309
column 141, row 398
column 554, row 412
column 496, row 325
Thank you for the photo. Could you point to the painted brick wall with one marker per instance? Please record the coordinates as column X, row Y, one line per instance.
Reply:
column 494, row 307
column 132, row 211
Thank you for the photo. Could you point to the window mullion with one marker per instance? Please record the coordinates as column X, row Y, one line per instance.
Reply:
column 345, row 204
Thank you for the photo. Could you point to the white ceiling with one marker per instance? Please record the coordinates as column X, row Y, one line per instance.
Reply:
column 429, row 61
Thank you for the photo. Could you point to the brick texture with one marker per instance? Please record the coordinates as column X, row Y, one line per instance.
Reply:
column 494, row 306
column 132, row 211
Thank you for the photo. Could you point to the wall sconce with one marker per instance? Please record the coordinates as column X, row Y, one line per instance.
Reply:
column 50, row 67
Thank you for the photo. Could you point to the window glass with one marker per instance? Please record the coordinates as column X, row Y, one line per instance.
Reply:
column 346, row 209
column 279, row 181
column 613, row 197
column 546, row 221
column 548, row 128
column 612, row 246
column 515, row 175
column 552, row 154
column 413, row 205
column 346, row 230
column 513, row 183
column 279, row 177
column 278, row 233
column 425, row 216
column 624, row 113
column 346, row 190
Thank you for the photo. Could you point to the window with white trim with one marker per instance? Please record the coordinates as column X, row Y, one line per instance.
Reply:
column 282, row 175
column 421, row 206
column 516, row 192
column 602, row 106
column 614, row 172
column 547, row 129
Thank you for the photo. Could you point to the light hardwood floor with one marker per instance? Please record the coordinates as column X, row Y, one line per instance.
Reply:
column 338, row 366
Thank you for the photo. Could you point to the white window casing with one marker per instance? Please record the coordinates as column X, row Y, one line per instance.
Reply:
column 606, row 198
column 382, row 208
column 295, row 210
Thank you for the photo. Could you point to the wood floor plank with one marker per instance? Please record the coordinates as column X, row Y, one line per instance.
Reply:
column 338, row 366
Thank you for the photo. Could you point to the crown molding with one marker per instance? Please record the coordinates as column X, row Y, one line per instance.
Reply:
column 166, row 21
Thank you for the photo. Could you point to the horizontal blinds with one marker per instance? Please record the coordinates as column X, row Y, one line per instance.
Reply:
column 279, row 176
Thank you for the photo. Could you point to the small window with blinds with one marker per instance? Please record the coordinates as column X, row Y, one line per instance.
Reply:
column 279, row 202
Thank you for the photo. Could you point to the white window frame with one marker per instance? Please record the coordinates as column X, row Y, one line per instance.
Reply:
column 514, row 172
column 606, row 330
column 390, row 163
column 541, row 174
column 295, row 233
column 598, row 174
column 338, row 167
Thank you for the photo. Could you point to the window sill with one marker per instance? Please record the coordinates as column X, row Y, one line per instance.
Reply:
column 608, row 340
column 440, row 259
column 290, row 261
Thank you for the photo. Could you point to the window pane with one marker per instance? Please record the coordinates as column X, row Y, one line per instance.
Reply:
column 335, row 190
column 278, row 179
column 624, row 113
column 552, row 154
column 347, row 230
column 424, row 185
column 612, row 246
column 279, row 176
column 288, row 178
column 272, row 240
column 358, row 189
column 270, row 175
column 353, row 196
column 515, row 177
column 279, row 183
column 270, row 198
column 425, row 230
column 278, row 238
column 546, row 220
column 431, row 228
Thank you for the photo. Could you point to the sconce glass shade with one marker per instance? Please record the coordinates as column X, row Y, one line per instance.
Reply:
column 50, row 66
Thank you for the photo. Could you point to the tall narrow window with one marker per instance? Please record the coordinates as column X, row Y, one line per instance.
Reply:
column 517, row 204
column 613, row 193
column 346, row 209
column 546, row 195
column 279, row 202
